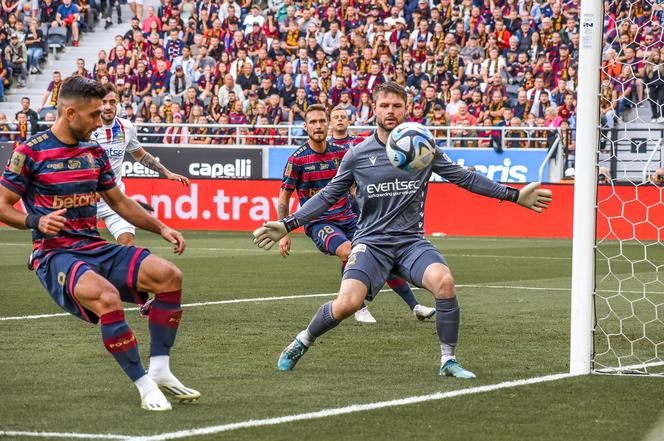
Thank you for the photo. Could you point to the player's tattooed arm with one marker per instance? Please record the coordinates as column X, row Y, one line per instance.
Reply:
column 283, row 210
column 151, row 162
column 283, row 206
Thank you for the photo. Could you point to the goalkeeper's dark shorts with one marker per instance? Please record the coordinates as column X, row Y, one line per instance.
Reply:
column 373, row 261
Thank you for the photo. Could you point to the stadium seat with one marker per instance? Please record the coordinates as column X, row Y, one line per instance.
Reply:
column 57, row 39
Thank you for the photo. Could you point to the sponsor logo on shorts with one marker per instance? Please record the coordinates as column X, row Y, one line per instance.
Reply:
column 75, row 201
column 62, row 278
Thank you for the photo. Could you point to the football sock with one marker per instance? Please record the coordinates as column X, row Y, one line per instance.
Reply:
column 145, row 385
column 447, row 325
column 322, row 322
column 400, row 286
column 121, row 343
column 165, row 315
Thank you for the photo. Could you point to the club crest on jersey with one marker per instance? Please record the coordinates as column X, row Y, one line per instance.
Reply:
column 121, row 137
column 16, row 162
column 90, row 160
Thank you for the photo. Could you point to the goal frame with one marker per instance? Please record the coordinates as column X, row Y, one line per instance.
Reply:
column 591, row 20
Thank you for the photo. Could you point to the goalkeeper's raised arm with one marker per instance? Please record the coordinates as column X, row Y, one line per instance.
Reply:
column 530, row 196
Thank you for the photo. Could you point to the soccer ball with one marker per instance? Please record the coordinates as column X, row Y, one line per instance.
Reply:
column 411, row 147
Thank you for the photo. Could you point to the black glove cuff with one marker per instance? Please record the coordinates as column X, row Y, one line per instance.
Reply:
column 511, row 194
column 291, row 223
column 32, row 221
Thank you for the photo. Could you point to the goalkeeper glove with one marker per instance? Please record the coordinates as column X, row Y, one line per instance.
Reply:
column 272, row 231
column 531, row 196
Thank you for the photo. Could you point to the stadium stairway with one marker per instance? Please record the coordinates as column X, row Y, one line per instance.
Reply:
column 89, row 45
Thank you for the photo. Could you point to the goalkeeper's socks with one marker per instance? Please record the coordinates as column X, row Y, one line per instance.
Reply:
column 447, row 324
column 165, row 314
column 121, row 343
column 322, row 322
column 400, row 286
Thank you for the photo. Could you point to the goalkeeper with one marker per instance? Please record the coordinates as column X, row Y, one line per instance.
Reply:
column 390, row 236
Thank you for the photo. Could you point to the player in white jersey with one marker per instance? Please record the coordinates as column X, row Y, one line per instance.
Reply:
column 117, row 136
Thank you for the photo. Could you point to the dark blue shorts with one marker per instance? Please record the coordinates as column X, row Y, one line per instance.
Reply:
column 329, row 235
column 373, row 261
column 59, row 272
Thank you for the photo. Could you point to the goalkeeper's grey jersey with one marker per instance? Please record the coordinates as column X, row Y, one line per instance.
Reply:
column 391, row 200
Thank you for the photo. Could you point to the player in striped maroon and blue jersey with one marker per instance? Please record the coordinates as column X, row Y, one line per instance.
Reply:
column 58, row 175
column 307, row 171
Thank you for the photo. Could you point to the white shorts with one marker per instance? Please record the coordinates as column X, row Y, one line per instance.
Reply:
column 114, row 222
column 138, row 2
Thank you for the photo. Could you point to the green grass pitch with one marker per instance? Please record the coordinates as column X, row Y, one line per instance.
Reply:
column 57, row 377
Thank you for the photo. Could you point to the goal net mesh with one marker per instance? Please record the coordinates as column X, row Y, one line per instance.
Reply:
column 629, row 299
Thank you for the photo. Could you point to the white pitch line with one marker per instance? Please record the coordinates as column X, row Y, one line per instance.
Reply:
column 350, row 409
column 277, row 298
column 329, row 294
column 67, row 435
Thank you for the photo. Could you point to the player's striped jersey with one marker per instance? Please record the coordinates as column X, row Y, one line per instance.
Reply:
column 116, row 139
column 347, row 142
column 49, row 175
column 307, row 172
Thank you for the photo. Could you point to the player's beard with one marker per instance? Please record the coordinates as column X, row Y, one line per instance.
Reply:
column 107, row 122
column 318, row 137
column 388, row 127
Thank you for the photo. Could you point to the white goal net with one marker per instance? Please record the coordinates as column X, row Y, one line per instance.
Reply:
column 629, row 298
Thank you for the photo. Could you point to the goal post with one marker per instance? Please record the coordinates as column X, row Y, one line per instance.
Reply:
column 585, row 186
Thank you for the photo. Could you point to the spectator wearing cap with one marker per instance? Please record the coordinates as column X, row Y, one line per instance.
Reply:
column 16, row 56
column 176, row 133
column 357, row 91
column 179, row 84
column 417, row 114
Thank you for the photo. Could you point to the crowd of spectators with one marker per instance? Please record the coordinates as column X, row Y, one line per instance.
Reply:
column 464, row 63
column 27, row 27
